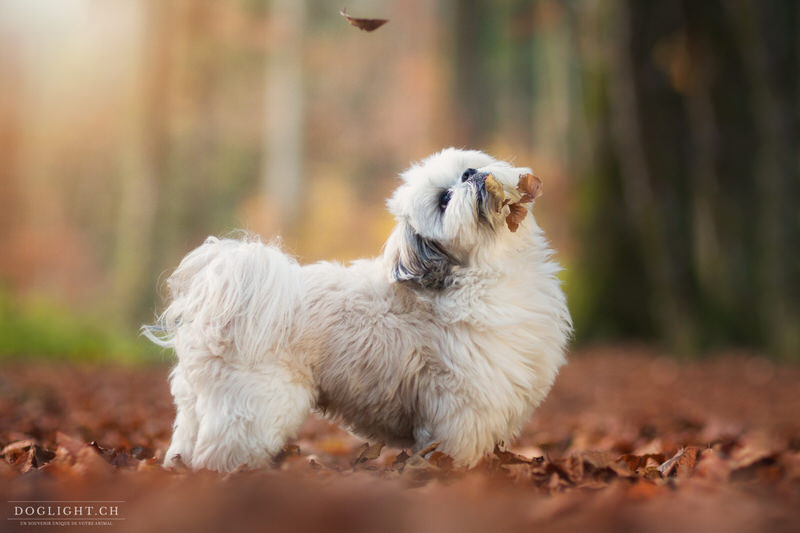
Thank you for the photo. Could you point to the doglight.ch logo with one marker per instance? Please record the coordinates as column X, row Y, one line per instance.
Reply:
column 65, row 513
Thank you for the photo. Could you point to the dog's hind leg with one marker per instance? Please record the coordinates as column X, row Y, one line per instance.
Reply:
column 247, row 416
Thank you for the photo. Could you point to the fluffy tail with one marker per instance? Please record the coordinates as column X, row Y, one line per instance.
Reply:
column 229, row 298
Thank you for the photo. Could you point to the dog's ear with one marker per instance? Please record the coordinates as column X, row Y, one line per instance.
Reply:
column 415, row 259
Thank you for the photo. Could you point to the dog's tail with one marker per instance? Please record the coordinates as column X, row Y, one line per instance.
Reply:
column 229, row 298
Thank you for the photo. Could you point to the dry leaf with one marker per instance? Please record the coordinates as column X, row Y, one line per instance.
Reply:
column 441, row 460
column 400, row 461
column 495, row 190
column 290, row 450
column 367, row 452
column 516, row 216
column 427, row 449
column 17, row 447
column 364, row 24
column 510, row 458
column 682, row 463
column 530, row 187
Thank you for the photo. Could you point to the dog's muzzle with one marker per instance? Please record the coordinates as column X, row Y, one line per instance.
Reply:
column 488, row 192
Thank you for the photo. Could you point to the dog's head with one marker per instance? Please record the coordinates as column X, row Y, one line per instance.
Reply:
column 446, row 214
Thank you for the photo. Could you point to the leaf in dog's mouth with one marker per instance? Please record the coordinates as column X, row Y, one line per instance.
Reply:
column 531, row 188
column 364, row 24
column 495, row 190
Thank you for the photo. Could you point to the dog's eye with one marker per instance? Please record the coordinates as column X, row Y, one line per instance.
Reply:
column 444, row 199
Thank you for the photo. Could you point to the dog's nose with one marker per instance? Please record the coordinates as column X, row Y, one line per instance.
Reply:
column 468, row 174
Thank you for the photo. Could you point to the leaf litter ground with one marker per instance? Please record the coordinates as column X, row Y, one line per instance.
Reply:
column 627, row 441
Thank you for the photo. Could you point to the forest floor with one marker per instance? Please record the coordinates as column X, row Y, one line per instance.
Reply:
column 628, row 440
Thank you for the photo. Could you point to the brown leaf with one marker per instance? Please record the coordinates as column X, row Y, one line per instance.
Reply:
column 643, row 490
column 509, row 458
column 106, row 453
column 17, row 447
column 427, row 449
column 124, row 460
column 495, row 192
column 89, row 462
column 364, row 24
column 420, row 468
column 635, row 462
column 682, row 463
column 442, row 461
column 596, row 461
column 367, row 452
column 713, row 467
column 516, row 216
column 530, row 186
column 400, row 460
column 71, row 444
column 290, row 450
column 569, row 468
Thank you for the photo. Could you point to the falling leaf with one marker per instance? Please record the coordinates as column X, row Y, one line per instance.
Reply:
column 364, row 24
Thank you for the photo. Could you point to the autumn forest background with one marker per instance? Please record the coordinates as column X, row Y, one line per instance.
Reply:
column 666, row 134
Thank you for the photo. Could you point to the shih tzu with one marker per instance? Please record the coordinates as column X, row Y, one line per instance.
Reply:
column 453, row 335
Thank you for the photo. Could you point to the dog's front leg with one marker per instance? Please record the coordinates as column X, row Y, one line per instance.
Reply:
column 184, row 430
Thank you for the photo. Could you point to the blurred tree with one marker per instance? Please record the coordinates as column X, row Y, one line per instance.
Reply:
column 143, row 164
column 689, row 194
column 283, row 137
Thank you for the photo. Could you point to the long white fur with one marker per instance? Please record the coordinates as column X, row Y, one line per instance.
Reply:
column 261, row 340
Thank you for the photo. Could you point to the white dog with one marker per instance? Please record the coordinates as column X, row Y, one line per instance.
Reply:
column 454, row 335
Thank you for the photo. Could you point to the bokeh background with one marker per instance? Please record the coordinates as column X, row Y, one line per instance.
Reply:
column 666, row 134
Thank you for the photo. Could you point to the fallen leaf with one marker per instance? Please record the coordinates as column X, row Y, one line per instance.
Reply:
column 400, row 460
column 124, row 460
column 441, row 460
column 17, row 447
column 427, row 449
column 364, row 24
column 71, row 444
column 509, row 458
column 635, row 462
column 682, row 463
column 367, row 452
column 290, row 450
